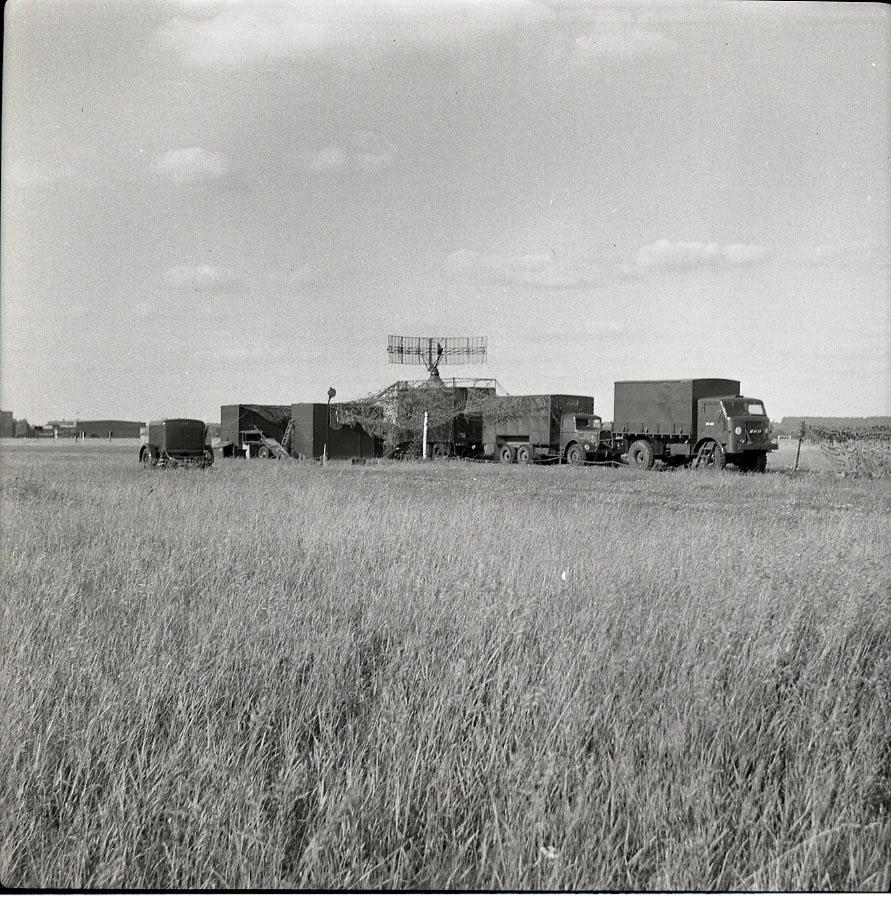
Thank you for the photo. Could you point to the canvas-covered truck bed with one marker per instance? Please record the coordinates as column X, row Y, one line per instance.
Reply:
column 533, row 421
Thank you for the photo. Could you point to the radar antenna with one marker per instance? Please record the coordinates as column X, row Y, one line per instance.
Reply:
column 431, row 352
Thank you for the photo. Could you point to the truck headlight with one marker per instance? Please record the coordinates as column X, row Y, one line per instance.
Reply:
column 737, row 430
column 587, row 446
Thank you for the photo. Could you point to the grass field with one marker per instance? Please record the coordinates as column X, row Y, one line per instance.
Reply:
column 449, row 676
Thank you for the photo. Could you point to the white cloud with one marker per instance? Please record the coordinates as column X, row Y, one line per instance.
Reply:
column 364, row 153
column 191, row 165
column 203, row 279
column 665, row 254
column 536, row 270
column 233, row 32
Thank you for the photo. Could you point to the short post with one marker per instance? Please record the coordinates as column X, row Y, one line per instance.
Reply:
column 424, row 438
column 801, row 430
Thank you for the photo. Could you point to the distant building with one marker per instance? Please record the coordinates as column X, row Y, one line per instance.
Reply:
column 7, row 424
column 94, row 428
column 109, row 428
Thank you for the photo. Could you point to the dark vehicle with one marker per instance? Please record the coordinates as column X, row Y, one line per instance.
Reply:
column 703, row 422
column 175, row 442
column 551, row 427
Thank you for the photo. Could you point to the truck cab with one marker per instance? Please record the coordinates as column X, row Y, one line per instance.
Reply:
column 580, row 437
column 739, row 426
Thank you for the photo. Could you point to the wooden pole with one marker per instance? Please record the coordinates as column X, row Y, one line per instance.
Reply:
column 798, row 451
column 424, row 439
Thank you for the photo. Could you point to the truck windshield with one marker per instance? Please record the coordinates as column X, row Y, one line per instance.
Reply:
column 585, row 422
column 742, row 407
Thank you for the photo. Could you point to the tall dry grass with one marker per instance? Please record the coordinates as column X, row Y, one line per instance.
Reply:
column 441, row 676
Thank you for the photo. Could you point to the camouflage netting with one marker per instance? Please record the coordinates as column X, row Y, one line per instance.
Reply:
column 396, row 414
column 854, row 451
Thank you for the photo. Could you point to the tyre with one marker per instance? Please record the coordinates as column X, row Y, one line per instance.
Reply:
column 263, row 452
column 760, row 464
column 715, row 457
column 524, row 454
column 208, row 457
column 441, row 451
column 575, row 456
column 506, row 454
column 149, row 458
column 640, row 455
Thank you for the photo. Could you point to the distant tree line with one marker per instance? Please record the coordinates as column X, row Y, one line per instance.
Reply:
column 790, row 424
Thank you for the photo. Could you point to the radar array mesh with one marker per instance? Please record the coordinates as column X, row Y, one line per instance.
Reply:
column 425, row 350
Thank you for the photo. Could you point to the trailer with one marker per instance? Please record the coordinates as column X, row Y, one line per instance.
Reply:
column 254, row 431
column 543, row 427
column 175, row 442
column 700, row 422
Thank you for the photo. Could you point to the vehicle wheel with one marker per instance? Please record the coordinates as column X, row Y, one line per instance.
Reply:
column 760, row 463
column 506, row 454
column 149, row 458
column 575, row 456
column 524, row 454
column 715, row 458
column 208, row 457
column 640, row 455
column 263, row 452
column 440, row 451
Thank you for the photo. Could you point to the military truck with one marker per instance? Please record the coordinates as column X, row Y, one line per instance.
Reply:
column 539, row 427
column 175, row 442
column 704, row 422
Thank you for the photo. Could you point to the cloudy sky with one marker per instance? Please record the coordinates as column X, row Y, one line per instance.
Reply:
column 224, row 201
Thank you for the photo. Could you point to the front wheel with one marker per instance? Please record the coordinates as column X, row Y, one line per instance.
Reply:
column 148, row 458
column 263, row 452
column 575, row 456
column 713, row 456
column 640, row 455
column 208, row 457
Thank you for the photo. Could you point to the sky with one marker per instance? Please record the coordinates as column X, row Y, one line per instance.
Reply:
column 208, row 202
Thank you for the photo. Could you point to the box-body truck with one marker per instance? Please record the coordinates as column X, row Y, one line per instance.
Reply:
column 556, row 427
column 701, row 421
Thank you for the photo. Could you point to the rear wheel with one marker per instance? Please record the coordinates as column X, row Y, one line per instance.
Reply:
column 640, row 455
column 263, row 452
column 506, row 454
column 575, row 456
column 524, row 454
column 441, row 451
column 148, row 458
